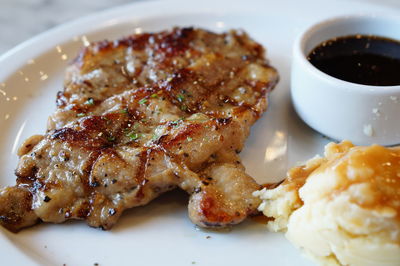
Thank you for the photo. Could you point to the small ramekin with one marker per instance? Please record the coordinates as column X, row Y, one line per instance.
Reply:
column 339, row 109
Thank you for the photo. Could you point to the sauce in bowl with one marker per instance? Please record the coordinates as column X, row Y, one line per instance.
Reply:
column 362, row 59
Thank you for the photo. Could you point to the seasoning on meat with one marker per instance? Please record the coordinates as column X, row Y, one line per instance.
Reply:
column 141, row 116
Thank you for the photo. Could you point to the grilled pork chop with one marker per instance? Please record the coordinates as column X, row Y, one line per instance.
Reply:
column 141, row 116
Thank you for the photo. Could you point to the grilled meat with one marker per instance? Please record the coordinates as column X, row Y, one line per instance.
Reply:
column 141, row 116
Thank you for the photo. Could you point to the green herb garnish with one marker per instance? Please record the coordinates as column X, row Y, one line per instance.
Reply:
column 124, row 111
column 134, row 136
column 189, row 139
column 143, row 101
column 80, row 115
column 111, row 138
column 154, row 95
column 180, row 98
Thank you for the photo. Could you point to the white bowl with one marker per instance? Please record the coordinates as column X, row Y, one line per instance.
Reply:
column 339, row 109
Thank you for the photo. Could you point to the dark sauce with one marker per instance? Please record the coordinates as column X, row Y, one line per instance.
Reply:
column 362, row 59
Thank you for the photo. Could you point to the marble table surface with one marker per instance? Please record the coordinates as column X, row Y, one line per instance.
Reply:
column 23, row 19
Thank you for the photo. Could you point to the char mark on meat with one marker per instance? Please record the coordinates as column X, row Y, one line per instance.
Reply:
column 141, row 116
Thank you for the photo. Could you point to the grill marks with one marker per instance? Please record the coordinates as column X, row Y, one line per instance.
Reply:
column 175, row 43
column 142, row 115
column 170, row 43
column 96, row 132
column 172, row 61
column 140, row 176
column 99, row 148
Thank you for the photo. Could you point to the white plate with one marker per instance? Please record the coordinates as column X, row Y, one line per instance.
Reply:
column 161, row 233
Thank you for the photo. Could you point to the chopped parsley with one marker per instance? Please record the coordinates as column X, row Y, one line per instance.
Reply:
column 80, row 115
column 154, row 95
column 180, row 98
column 143, row 101
column 124, row 111
column 134, row 136
column 89, row 101
column 189, row 139
column 111, row 138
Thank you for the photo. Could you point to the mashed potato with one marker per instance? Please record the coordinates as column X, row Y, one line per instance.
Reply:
column 343, row 209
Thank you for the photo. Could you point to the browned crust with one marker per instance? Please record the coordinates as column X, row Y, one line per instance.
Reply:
column 102, row 134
